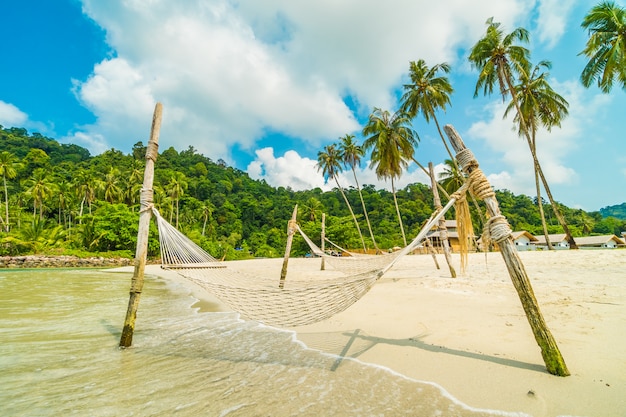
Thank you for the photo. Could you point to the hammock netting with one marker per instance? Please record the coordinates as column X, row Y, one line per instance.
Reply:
column 353, row 264
column 300, row 301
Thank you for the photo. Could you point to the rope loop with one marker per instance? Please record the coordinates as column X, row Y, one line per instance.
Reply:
column 499, row 229
column 152, row 152
column 292, row 226
column 465, row 158
column 479, row 185
column 145, row 199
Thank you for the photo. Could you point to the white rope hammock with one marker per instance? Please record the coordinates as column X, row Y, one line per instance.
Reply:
column 298, row 303
column 351, row 265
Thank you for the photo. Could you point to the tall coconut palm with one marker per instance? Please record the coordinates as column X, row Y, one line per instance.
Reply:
column 311, row 209
column 176, row 189
column 451, row 178
column 39, row 187
column 540, row 106
column 207, row 213
column 427, row 93
column 329, row 162
column 86, row 187
column 393, row 144
column 8, row 168
column 110, row 186
column 499, row 59
column 606, row 47
column 351, row 153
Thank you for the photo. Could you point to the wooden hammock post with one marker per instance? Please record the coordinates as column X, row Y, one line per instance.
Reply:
column 323, row 267
column 443, row 230
column 141, row 254
column 501, row 233
column 291, row 230
column 428, row 244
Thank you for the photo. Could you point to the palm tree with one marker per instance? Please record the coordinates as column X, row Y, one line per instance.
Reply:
column 606, row 47
column 329, row 162
column 111, row 185
column 351, row 153
column 427, row 93
column 498, row 59
column 311, row 209
column 207, row 212
column 86, row 186
column 8, row 168
column 451, row 178
column 393, row 143
column 39, row 188
column 64, row 194
column 540, row 105
column 176, row 189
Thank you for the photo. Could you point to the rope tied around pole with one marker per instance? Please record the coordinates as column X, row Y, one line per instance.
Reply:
column 496, row 230
column 292, row 226
column 152, row 152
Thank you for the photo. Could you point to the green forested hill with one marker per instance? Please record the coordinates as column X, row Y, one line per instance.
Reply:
column 617, row 211
column 61, row 199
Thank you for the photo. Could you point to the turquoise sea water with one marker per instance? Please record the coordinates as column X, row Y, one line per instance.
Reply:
column 59, row 331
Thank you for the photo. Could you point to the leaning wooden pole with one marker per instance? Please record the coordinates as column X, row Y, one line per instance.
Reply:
column 443, row 230
column 323, row 239
column 141, row 254
column 291, row 230
column 500, row 233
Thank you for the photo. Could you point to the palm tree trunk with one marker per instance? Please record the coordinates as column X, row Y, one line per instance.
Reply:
column 6, row 204
column 541, row 212
column 395, row 200
column 352, row 213
column 537, row 166
column 555, row 208
column 177, row 212
column 367, row 218
column 445, row 143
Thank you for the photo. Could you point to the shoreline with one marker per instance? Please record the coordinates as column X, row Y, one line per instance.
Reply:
column 61, row 261
column 470, row 335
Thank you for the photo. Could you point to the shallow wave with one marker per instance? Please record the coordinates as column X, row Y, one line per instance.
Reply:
column 59, row 355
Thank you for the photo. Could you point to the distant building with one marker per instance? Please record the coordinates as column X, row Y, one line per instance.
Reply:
column 558, row 241
column 453, row 237
column 524, row 240
column 606, row 241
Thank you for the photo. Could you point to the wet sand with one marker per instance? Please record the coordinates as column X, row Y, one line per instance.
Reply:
column 470, row 335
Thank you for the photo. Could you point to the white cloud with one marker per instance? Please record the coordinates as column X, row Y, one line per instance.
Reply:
column 300, row 173
column 289, row 170
column 552, row 20
column 227, row 73
column 560, row 152
column 11, row 116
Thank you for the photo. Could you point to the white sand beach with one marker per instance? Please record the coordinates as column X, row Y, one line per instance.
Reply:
column 470, row 335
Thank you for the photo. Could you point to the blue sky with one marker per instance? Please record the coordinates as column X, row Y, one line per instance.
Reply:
column 265, row 85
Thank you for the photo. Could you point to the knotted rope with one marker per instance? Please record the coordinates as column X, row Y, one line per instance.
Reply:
column 145, row 199
column 496, row 229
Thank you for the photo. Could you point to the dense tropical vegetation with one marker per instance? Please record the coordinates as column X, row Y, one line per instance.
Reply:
column 57, row 198
column 61, row 200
